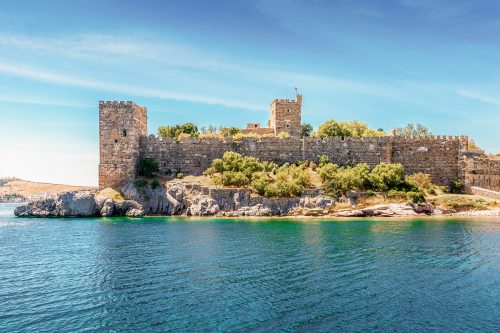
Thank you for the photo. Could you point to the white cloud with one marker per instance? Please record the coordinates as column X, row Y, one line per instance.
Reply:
column 479, row 96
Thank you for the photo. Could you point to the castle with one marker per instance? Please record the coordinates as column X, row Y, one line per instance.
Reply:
column 285, row 117
column 123, row 141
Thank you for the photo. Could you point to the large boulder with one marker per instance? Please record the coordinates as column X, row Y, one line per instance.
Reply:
column 78, row 203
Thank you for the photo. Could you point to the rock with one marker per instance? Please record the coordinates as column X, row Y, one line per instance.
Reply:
column 134, row 212
column 77, row 203
column 203, row 206
column 425, row 208
column 257, row 210
column 313, row 212
column 108, row 208
column 350, row 213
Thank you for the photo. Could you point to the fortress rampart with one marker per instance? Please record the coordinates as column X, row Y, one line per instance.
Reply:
column 123, row 141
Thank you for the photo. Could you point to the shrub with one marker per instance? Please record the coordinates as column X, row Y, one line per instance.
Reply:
column 459, row 202
column 232, row 178
column 155, row 184
column 228, row 131
column 283, row 135
column 240, row 136
column 140, row 183
column 260, row 182
column 340, row 180
column 456, row 186
column 147, row 166
column 323, row 159
column 387, row 176
column 421, row 181
column 416, row 196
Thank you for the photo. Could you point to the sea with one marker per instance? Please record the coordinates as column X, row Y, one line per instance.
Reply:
column 158, row 274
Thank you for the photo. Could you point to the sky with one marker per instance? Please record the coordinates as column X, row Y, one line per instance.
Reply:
column 383, row 62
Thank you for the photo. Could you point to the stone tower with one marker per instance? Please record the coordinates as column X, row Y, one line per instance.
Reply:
column 121, row 124
column 286, row 116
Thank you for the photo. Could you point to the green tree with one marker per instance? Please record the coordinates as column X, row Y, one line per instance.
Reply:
column 387, row 176
column 306, row 130
column 167, row 131
column 229, row 131
column 174, row 131
column 147, row 166
column 413, row 131
column 346, row 129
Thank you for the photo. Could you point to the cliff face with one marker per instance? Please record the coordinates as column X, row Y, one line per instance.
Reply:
column 184, row 198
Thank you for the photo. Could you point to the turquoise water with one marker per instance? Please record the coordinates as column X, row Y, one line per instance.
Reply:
column 165, row 274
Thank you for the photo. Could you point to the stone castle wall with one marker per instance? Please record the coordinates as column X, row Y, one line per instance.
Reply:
column 481, row 171
column 436, row 156
column 123, row 141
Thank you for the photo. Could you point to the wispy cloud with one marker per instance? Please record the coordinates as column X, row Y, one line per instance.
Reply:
column 71, row 80
column 479, row 96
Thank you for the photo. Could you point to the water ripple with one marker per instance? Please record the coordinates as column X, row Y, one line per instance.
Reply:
column 163, row 275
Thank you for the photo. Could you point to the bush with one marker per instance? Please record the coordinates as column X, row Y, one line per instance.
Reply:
column 147, row 166
column 232, row 178
column 155, row 184
column 240, row 136
column 387, row 176
column 140, row 183
column 340, row 180
column 283, row 135
column 228, row 131
column 266, row 178
column 456, row 186
column 323, row 160
column 421, row 181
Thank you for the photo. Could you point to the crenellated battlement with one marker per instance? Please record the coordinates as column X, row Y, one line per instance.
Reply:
column 124, row 140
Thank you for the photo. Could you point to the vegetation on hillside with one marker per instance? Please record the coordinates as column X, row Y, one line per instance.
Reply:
column 385, row 177
column 147, row 166
column 264, row 178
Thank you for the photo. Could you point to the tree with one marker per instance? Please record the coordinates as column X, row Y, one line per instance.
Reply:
column 413, row 131
column 167, row 131
column 189, row 128
column 228, row 131
column 147, row 166
column 174, row 131
column 348, row 128
column 306, row 130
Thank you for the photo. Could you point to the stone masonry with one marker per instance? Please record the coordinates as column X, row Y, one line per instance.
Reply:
column 121, row 126
column 124, row 140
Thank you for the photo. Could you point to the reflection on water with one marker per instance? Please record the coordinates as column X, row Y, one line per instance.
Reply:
column 158, row 274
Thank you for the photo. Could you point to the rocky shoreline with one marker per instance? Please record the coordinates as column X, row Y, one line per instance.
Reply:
column 181, row 198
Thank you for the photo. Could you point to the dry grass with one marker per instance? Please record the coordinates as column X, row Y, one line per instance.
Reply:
column 463, row 202
column 202, row 180
column 27, row 188
column 111, row 194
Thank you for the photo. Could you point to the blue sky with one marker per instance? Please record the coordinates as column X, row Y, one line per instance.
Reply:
column 216, row 62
